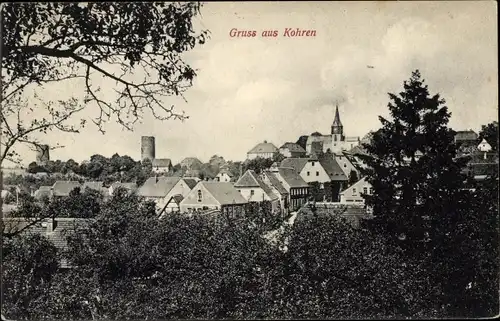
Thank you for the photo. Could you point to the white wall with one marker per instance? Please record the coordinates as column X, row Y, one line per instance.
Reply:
column 316, row 173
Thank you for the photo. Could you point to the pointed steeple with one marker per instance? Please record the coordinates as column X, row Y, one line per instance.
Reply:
column 337, row 127
column 336, row 121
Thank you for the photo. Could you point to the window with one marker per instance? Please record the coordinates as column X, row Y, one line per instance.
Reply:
column 345, row 165
column 353, row 191
column 199, row 196
column 365, row 190
column 312, row 164
column 308, row 173
column 252, row 192
column 371, row 190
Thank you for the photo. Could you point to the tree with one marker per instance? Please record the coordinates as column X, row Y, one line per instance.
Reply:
column 421, row 203
column 490, row 133
column 257, row 164
column 302, row 141
column 353, row 177
column 137, row 46
column 414, row 196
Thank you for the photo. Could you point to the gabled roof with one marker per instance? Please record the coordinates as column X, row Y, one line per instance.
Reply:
column 251, row 179
column 248, row 179
column 355, row 185
column 162, row 162
column 264, row 147
column 291, row 177
column 357, row 150
column 332, row 168
column 296, row 163
column 292, row 147
column 466, row 135
column 191, row 183
column 275, row 182
column 223, row 192
column 98, row 186
column 225, row 171
column 158, row 186
column 63, row 188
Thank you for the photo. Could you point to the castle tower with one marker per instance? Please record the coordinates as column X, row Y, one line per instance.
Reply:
column 337, row 128
column 42, row 154
column 147, row 148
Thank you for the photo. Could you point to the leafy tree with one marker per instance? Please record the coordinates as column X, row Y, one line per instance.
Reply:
column 68, row 42
column 257, row 164
column 490, row 133
column 28, row 263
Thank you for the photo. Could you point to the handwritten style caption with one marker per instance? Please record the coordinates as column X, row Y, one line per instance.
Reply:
column 287, row 33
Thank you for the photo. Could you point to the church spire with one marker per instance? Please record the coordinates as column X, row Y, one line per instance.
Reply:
column 336, row 121
column 337, row 127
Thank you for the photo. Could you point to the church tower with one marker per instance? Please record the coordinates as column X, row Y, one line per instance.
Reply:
column 337, row 128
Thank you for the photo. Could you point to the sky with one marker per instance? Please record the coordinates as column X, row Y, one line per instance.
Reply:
column 253, row 89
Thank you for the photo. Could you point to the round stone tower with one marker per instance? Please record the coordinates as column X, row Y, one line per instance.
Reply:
column 147, row 148
column 42, row 154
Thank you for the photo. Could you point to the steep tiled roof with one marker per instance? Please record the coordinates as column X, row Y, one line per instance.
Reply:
column 332, row 168
column 264, row 147
column 275, row 182
column 466, row 135
column 224, row 193
column 63, row 188
column 161, row 162
column 296, row 163
column 158, row 186
column 191, row 183
column 251, row 179
column 291, row 177
column 292, row 147
column 248, row 179
column 98, row 186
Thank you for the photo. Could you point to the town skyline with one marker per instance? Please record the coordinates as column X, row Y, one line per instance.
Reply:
column 251, row 90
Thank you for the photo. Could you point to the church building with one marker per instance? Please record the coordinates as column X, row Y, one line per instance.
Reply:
column 336, row 142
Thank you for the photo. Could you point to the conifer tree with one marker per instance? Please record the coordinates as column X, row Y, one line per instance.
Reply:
column 412, row 165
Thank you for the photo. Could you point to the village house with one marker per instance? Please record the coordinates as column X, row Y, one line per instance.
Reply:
column 224, row 176
column 161, row 165
column 43, row 192
column 310, row 169
column 96, row 186
column 346, row 164
column 287, row 179
column 337, row 177
column 56, row 230
column 213, row 195
column 263, row 150
column 254, row 189
column 130, row 187
column 354, row 193
column 292, row 150
column 64, row 188
column 166, row 192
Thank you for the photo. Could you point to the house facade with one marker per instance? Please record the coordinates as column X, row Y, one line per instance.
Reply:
column 354, row 193
column 161, row 190
column 292, row 150
column 224, row 176
column 310, row 169
column 213, row 195
column 161, row 165
column 288, row 180
column 345, row 164
column 263, row 150
column 254, row 189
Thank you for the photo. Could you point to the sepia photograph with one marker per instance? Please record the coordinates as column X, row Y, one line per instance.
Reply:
column 249, row 160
